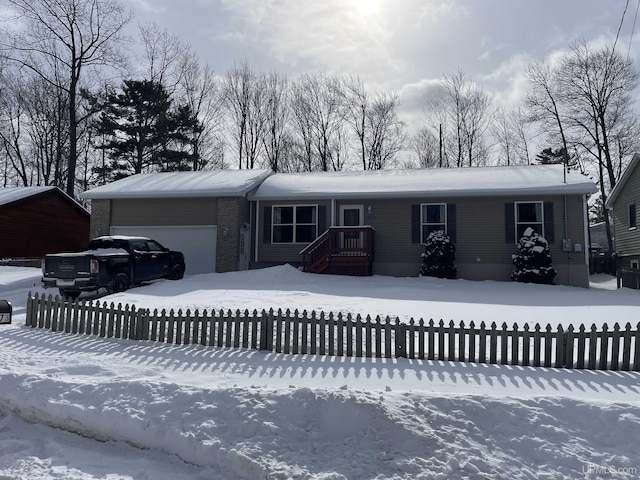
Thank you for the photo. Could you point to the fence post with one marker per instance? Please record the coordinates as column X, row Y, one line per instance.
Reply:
column 636, row 353
column 568, row 347
column 401, row 339
column 28, row 318
column 604, row 347
column 266, row 330
column 561, row 339
column 141, row 317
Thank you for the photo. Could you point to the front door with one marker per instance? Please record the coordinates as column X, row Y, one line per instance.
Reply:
column 352, row 216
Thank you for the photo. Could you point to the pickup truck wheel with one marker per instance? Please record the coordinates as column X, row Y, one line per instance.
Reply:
column 69, row 294
column 177, row 273
column 121, row 283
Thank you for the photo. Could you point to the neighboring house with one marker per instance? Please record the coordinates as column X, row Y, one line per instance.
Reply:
column 599, row 242
column 35, row 221
column 623, row 202
column 204, row 214
column 380, row 219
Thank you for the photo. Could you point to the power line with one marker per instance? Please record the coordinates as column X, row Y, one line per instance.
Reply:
column 633, row 29
column 620, row 26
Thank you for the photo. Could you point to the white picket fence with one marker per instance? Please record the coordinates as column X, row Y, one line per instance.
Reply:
column 346, row 335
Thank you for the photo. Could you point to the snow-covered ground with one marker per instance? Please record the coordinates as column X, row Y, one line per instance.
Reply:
column 79, row 407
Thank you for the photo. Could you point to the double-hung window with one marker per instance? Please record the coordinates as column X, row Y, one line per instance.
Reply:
column 294, row 224
column 632, row 216
column 529, row 215
column 433, row 216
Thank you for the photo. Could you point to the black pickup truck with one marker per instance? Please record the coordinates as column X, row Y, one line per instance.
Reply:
column 112, row 262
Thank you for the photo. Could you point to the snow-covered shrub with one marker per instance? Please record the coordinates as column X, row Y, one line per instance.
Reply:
column 439, row 255
column 533, row 260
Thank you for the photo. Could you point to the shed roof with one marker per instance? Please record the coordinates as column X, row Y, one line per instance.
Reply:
column 434, row 182
column 13, row 194
column 210, row 183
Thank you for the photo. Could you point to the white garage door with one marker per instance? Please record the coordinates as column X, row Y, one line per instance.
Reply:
column 198, row 243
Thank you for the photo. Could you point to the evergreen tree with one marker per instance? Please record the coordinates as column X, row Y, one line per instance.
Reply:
column 439, row 256
column 550, row 156
column 142, row 131
column 533, row 260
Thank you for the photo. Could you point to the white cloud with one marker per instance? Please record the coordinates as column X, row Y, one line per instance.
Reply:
column 336, row 36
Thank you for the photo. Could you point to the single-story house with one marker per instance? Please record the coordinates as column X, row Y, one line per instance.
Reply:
column 384, row 217
column 204, row 214
column 375, row 222
column 623, row 202
column 35, row 221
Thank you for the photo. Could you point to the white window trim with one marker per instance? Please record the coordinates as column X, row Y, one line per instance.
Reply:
column 515, row 218
column 294, row 224
column 422, row 223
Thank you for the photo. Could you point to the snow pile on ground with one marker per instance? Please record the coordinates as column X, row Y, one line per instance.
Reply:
column 145, row 410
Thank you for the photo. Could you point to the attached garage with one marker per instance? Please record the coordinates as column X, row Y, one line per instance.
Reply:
column 205, row 215
column 196, row 242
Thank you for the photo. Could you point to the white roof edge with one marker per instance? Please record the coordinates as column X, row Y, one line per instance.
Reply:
column 496, row 192
column 97, row 194
column 37, row 190
column 199, row 193
column 613, row 195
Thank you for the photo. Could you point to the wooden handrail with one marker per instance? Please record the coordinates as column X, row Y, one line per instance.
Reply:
column 338, row 242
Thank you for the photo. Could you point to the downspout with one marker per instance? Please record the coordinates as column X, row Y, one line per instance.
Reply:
column 566, row 235
column 255, row 253
column 585, row 214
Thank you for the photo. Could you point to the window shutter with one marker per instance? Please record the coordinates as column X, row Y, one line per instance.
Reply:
column 451, row 221
column 415, row 224
column 322, row 219
column 549, row 232
column 509, row 223
column 266, row 225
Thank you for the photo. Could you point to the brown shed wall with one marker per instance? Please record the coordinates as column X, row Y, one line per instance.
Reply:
column 44, row 223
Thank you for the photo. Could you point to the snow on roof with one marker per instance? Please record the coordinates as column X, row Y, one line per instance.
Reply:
column 434, row 182
column 13, row 194
column 213, row 183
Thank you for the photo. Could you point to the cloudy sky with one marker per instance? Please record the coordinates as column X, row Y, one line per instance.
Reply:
column 400, row 45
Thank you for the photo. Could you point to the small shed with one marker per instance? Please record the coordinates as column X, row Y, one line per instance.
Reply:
column 35, row 221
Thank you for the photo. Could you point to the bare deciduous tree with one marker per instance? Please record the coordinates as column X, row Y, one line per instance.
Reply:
column 464, row 113
column 427, row 146
column 276, row 110
column 202, row 93
column 509, row 130
column 166, row 57
column 543, row 103
column 319, row 118
column 596, row 87
column 243, row 93
column 378, row 131
column 69, row 37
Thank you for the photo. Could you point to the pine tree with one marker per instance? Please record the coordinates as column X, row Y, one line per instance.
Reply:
column 533, row 260
column 142, row 131
column 439, row 256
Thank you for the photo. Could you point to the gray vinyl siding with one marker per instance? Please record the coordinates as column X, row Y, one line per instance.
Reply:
column 480, row 225
column 627, row 241
column 164, row 211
